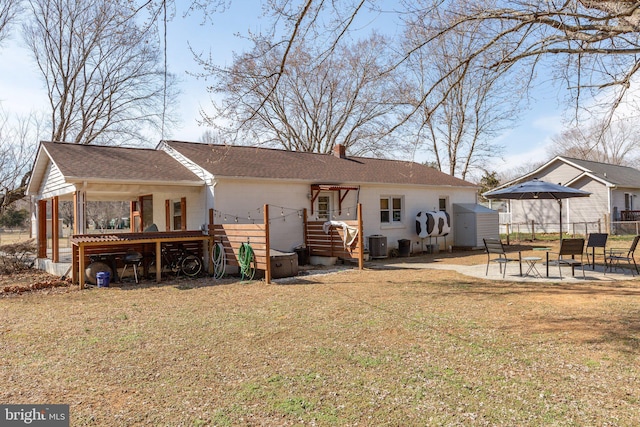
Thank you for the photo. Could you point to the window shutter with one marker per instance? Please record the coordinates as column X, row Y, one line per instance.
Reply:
column 167, row 214
column 183, row 218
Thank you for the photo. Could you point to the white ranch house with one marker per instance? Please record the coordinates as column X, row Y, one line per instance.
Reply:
column 178, row 184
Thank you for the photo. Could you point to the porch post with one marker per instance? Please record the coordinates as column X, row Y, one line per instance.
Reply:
column 305, row 222
column 55, row 242
column 132, row 221
column 158, row 261
column 42, row 228
column 267, row 275
column 79, row 212
column 212, row 236
column 360, row 239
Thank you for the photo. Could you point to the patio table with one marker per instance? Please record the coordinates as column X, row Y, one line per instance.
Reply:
column 547, row 250
column 531, row 264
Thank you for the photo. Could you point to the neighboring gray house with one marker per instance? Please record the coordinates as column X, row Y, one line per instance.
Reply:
column 614, row 191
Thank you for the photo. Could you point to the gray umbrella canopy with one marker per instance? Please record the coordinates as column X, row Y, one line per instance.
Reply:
column 536, row 189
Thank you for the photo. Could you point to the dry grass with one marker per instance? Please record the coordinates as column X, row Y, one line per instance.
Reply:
column 378, row 347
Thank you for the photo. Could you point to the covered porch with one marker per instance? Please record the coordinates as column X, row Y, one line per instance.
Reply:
column 70, row 182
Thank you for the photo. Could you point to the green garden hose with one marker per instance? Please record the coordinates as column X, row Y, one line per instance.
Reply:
column 247, row 261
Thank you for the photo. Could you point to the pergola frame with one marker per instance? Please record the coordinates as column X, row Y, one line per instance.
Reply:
column 317, row 188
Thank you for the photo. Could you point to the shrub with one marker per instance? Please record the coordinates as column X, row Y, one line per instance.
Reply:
column 17, row 256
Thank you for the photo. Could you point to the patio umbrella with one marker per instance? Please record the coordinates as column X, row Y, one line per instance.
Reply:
column 536, row 189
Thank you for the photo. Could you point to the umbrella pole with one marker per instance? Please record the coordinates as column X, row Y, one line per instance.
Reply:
column 560, row 209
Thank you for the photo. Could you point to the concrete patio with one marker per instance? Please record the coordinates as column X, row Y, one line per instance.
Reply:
column 513, row 271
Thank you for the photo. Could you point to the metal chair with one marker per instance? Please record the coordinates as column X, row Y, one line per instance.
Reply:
column 570, row 248
column 495, row 246
column 615, row 258
column 596, row 240
column 134, row 259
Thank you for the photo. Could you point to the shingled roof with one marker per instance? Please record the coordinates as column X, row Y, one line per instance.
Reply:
column 77, row 161
column 622, row 176
column 254, row 162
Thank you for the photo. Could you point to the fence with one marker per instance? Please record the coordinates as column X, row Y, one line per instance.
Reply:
column 324, row 239
column 625, row 227
column 14, row 235
column 529, row 230
column 232, row 236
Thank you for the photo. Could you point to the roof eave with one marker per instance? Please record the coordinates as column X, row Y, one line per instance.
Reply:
column 337, row 182
column 81, row 180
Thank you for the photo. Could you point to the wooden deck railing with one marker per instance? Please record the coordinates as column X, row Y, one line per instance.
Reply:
column 630, row 215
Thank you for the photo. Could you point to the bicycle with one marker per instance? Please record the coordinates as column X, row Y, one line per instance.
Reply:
column 181, row 261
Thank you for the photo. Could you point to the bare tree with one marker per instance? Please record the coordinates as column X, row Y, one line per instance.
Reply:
column 617, row 143
column 210, row 136
column 104, row 74
column 16, row 155
column 104, row 215
column 457, row 110
column 591, row 45
column 8, row 11
column 319, row 101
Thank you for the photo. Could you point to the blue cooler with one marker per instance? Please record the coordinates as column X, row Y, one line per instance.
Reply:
column 102, row 279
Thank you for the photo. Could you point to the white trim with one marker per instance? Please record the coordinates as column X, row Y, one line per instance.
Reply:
column 592, row 176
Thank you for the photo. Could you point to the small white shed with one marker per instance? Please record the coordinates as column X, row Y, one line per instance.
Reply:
column 472, row 223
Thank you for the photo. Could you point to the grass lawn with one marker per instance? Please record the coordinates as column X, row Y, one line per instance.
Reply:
column 369, row 348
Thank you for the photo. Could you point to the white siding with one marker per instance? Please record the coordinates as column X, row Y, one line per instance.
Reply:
column 588, row 209
column 416, row 199
column 244, row 198
column 618, row 203
column 196, row 209
column 54, row 183
column 558, row 173
column 576, row 210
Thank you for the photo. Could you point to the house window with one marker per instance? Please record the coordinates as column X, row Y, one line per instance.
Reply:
column 324, row 207
column 628, row 202
column 146, row 211
column 390, row 210
column 175, row 212
column 177, row 215
column 442, row 204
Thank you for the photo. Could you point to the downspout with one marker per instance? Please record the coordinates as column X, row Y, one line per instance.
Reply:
column 211, row 185
column 610, row 209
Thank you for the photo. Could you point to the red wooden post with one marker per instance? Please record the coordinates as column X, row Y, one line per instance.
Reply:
column 267, row 275
column 360, row 239
column 305, row 222
column 55, row 242
column 42, row 228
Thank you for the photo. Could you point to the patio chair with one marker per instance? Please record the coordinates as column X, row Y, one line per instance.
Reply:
column 617, row 256
column 569, row 249
column 596, row 240
column 495, row 247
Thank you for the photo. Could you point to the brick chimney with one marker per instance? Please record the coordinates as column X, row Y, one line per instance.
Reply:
column 340, row 150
